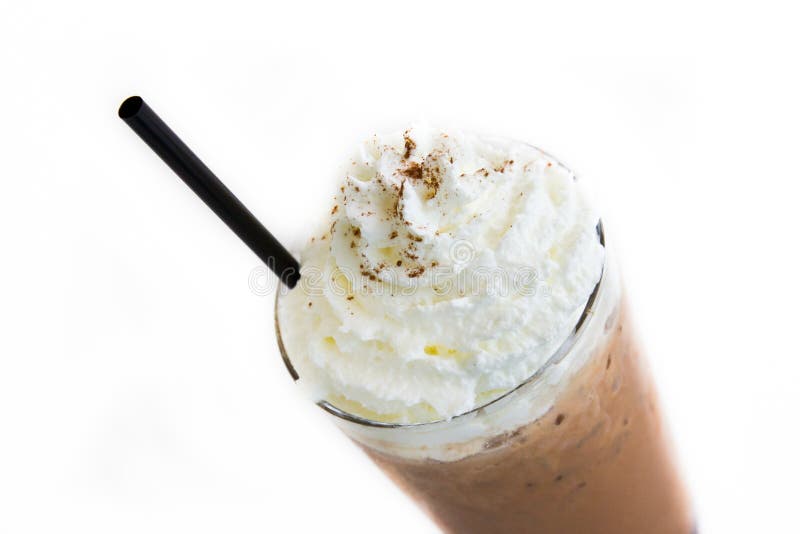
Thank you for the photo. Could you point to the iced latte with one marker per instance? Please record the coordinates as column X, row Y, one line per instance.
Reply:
column 461, row 318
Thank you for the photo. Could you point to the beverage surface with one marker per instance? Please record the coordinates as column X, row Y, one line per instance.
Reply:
column 452, row 268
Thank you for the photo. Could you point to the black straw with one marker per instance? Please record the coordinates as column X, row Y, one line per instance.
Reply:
column 153, row 131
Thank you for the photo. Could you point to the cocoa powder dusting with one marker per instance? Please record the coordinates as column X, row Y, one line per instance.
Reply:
column 410, row 145
column 413, row 170
column 413, row 273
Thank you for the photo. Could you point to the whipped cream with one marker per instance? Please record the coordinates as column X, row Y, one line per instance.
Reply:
column 452, row 268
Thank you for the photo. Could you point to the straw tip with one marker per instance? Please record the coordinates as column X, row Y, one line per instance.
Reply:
column 130, row 107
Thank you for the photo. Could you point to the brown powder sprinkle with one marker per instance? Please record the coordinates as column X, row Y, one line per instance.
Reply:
column 398, row 200
column 335, row 209
column 410, row 145
column 413, row 170
column 413, row 273
column 506, row 163
column 399, row 263
column 430, row 173
column 433, row 179
column 393, row 234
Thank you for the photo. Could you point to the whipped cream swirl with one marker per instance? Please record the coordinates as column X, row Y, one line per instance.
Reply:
column 452, row 268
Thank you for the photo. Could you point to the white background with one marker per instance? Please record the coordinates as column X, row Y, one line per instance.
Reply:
column 140, row 385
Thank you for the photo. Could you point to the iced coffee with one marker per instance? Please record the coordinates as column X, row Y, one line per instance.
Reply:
column 460, row 317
